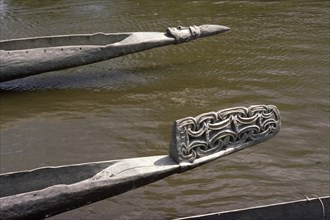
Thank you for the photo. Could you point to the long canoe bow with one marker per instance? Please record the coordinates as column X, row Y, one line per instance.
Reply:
column 30, row 56
column 47, row 191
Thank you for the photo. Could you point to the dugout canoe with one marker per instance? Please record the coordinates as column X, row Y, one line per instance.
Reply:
column 313, row 208
column 47, row 191
column 30, row 56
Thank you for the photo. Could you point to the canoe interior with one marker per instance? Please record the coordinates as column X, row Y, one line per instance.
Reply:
column 27, row 181
column 97, row 39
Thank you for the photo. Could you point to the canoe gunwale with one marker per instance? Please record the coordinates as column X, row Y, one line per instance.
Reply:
column 63, row 41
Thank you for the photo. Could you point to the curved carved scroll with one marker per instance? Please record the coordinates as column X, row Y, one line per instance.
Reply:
column 196, row 137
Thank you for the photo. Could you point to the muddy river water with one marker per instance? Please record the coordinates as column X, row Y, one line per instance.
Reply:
column 277, row 52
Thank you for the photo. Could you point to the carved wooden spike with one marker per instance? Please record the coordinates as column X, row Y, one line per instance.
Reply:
column 208, row 133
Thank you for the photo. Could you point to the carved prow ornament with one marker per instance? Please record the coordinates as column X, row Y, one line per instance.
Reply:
column 216, row 133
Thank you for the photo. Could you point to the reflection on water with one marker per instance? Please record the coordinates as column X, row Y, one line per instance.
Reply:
column 276, row 53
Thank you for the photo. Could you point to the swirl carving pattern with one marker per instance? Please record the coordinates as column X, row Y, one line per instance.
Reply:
column 208, row 133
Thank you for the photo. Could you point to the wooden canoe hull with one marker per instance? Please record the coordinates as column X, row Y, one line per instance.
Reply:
column 47, row 191
column 30, row 56
column 22, row 63
column 311, row 209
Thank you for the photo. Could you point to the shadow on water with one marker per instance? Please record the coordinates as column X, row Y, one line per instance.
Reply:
column 97, row 77
column 71, row 79
column 98, row 80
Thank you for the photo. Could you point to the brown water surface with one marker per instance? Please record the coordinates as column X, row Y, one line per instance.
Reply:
column 276, row 53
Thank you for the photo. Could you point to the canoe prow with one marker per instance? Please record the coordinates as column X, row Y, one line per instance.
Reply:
column 30, row 56
column 47, row 191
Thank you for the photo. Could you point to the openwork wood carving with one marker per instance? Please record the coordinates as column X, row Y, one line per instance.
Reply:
column 212, row 132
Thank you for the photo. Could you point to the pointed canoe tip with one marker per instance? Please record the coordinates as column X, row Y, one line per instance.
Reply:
column 212, row 29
